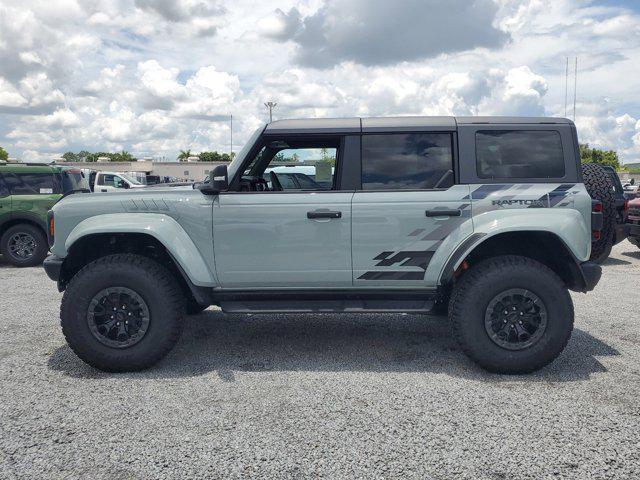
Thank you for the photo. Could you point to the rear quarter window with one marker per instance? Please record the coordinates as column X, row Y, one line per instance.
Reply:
column 31, row 183
column 522, row 154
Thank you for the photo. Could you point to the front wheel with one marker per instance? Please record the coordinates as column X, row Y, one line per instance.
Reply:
column 122, row 312
column 511, row 314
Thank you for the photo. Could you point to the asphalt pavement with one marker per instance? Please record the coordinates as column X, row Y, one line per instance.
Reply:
column 332, row 396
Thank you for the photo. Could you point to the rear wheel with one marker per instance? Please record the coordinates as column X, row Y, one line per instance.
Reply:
column 600, row 187
column 24, row 245
column 511, row 314
column 122, row 313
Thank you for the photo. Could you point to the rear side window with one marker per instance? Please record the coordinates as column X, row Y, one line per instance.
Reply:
column 519, row 154
column 408, row 161
column 30, row 183
column 4, row 191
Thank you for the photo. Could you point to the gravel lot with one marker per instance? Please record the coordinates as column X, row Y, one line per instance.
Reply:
column 331, row 396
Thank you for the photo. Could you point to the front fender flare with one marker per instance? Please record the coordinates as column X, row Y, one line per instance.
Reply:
column 163, row 228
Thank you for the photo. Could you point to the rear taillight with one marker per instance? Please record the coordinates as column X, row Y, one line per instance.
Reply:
column 597, row 221
column 51, row 228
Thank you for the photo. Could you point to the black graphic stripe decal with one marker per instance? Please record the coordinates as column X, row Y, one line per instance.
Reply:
column 484, row 191
column 559, row 194
column 408, row 259
column 554, row 196
column 392, row 276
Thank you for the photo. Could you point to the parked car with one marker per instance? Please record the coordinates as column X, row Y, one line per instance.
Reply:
column 292, row 181
column 27, row 192
column 630, row 190
column 485, row 216
column 603, row 184
column 633, row 220
column 114, row 181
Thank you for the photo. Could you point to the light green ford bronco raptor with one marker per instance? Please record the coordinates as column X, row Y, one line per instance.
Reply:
column 486, row 218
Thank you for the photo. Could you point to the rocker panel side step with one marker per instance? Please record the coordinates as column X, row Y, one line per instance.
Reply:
column 327, row 306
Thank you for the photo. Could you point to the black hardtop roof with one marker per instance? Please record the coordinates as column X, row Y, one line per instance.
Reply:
column 373, row 124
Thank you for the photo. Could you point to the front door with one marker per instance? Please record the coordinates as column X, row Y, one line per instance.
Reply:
column 268, row 240
column 409, row 212
column 272, row 232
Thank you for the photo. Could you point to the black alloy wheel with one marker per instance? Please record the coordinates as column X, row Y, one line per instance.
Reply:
column 515, row 319
column 118, row 317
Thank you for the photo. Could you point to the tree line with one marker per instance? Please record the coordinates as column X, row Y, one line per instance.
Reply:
column 206, row 156
column 85, row 156
column 124, row 156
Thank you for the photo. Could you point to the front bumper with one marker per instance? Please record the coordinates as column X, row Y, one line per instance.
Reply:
column 591, row 273
column 53, row 266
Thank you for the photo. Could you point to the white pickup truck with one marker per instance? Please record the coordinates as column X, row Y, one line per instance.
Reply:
column 114, row 181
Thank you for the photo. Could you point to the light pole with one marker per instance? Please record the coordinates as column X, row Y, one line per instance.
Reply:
column 270, row 105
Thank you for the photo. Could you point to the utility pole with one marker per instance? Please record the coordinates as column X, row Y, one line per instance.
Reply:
column 230, row 136
column 270, row 105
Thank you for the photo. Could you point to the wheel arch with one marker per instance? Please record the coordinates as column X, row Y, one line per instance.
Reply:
column 17, row 219
column 543, row 246
column 93, row 246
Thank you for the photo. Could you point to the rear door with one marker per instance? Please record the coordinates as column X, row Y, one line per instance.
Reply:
column 409, row 211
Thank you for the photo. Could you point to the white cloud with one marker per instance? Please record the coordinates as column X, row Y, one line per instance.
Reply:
column 156, row 77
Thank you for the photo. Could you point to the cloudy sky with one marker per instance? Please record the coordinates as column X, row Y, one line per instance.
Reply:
column 156, row 76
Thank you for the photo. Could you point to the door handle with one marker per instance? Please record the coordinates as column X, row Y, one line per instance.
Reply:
column 443, row 213
column 323, row 214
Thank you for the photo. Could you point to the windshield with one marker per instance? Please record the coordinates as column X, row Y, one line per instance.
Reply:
column 130, row 179
column 235, row 164
column 73, row 180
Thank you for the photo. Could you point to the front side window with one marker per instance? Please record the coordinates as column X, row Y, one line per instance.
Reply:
column 407, row 161
column 106, row 180
column 519, row 154
column 73, row 180
column 285, row 164
column 30, row 183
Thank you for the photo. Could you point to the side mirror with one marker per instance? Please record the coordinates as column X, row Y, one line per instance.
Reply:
column 125, row 185
column 218, row 181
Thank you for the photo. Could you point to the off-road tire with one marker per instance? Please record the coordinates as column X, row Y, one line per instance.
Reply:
column 157, row 287
column 470, row 299
column 600, row 187
column 38, row 236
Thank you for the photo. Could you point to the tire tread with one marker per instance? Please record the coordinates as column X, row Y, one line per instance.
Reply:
column 157, row 274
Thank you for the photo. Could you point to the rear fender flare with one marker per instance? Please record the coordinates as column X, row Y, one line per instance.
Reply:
column 566, row 224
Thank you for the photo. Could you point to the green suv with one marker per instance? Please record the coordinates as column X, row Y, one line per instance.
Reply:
column 27, row 192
